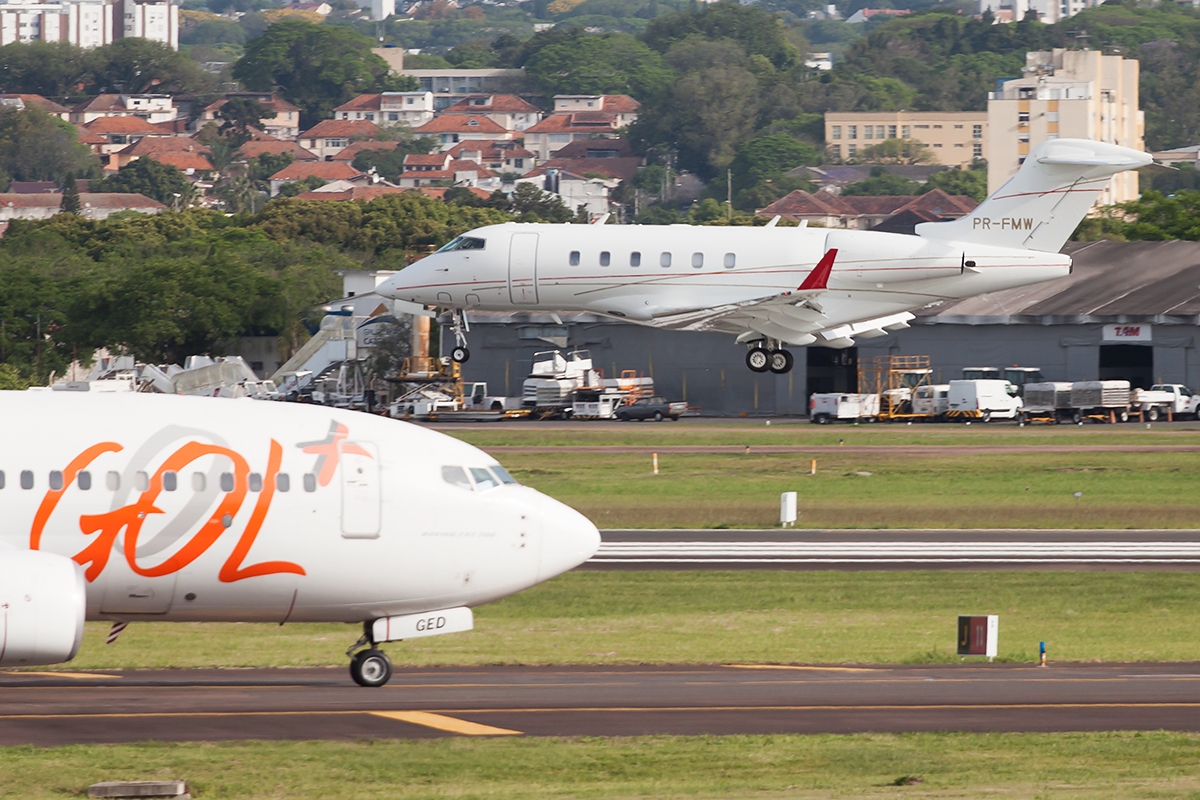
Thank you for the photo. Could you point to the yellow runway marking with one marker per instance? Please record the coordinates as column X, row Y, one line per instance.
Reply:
column 813, row 669
column 444, row 723
column 71, row 675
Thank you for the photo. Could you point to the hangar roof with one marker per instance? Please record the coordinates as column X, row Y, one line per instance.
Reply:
column 1110, row 281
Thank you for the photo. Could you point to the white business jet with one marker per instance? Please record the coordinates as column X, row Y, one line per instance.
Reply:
column 154, row 507
column 772, row 287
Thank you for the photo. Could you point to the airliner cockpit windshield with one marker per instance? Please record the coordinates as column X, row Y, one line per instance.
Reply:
column 463, row 243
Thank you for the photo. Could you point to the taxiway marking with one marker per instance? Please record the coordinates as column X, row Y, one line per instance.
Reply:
column 444, row 723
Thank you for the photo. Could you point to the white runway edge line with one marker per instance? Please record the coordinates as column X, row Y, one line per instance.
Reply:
column 898, row 552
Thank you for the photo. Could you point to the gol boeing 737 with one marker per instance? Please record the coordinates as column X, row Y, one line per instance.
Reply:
column 150, row 507
column 775, row 286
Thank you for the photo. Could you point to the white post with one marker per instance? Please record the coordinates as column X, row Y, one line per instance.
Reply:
column 787, row 509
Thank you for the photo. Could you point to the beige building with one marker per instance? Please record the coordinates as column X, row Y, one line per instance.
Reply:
column 956, row 138
column 1078, row 94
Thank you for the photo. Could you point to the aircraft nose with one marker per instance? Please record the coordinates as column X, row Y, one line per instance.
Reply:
column 407, row 284
column 568, row 539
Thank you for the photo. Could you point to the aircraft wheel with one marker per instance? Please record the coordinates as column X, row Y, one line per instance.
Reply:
column 758, row 359
column 460, row 354
column 781, row 362
column 371, row 668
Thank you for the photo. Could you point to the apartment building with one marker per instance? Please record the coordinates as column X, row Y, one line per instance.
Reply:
column 956, row 138
column 1080, row 94
column 88, row 23
column 1047, row 11
column 389, row 108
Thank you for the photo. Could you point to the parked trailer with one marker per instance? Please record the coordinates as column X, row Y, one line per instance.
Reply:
column 1100, row 401
column 1048, row 401
column 982, row 400
column 833, row 407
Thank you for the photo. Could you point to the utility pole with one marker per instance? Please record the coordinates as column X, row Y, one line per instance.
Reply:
column 729, row 192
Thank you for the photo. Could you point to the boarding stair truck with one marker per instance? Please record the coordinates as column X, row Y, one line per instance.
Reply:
column 1170, row 400
column 931, row 401
column 824, row 408
column 1048, row 401
column 982, row 400
column 1100, row 401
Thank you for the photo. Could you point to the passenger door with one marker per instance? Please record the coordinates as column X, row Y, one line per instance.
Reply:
column 522, row 269
column 361, row 496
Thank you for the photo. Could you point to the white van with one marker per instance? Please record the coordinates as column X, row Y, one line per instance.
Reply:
column 983, row 400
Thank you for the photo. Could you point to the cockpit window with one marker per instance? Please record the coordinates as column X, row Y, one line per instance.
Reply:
column 463, row 243
column 503, row 475
column 456, row 476
column 483, row 479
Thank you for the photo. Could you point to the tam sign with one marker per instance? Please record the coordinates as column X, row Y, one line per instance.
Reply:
column 1127, row 333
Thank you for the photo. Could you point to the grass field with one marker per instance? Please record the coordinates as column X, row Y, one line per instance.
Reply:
column 873, row 490
column 793, row 432
column 1108, row 765
column 732, row 617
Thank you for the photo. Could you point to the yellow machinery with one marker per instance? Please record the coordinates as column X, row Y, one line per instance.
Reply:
column 895, row 379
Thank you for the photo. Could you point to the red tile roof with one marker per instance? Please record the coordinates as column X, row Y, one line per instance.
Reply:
column 368, row 193
column 118, row 200
column 349, row 152
column 165, row 144
column 580, row 147
column 268, row 99
column 433, row 160
column 328, row 170
column 578, row 121
column 621, row 169
column 256, row 148
column 349, row 128
column 37, row 101
column 183, row 160
column 493, row 104
column 460, row 123
column 490, row 150
column 122, row 125
column 364, row 102
column 175, row 127
column 620, row 103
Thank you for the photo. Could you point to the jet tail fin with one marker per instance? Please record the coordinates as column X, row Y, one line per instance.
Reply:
column 1040, row 207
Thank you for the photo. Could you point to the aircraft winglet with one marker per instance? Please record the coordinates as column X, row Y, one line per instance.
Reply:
column 819, row 277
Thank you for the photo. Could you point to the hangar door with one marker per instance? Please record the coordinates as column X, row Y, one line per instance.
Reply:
column 522, row 268
column 831, row 370
column 1128, row 362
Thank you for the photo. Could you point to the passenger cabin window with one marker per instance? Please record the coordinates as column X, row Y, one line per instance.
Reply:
column 574, row 259
column 84, row 479
column 112, row 481
column 198, row 482
column 697, row 260
column 730, row 261
column 1, row 479
column 483, row 479
column 463, row 243
column 605, row 258
column 255, row 482
column 141, row 481
column 635, row 259
column 282, row 482
column 170, row 481
column 56, row 481
column 665, row 259
column 226, row 481
column 26, row 479
column 456, row 476
column 310, row 482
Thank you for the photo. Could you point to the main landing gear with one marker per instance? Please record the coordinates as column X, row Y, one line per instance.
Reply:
column 769, row 357
column 461, row 328
column 369, row 666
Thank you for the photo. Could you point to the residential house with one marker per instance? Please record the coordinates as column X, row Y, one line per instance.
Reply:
column 498, row 156
column 507, row 110
column 389, row 108
column 325, row 170
column 324, row 9
column 152, row 108
column 560, row 129
column 451, row 85
column 23, row 101
column 423, row 170
column 118, row 132
column 364, row 193
column 596, row 148
column 351, row 151
column 284, row 122
column 624, row 106
column 91, row 205
column 592, row 190
column 835, row 211
column 450, row 129
column 329, row 136
column 188, row 155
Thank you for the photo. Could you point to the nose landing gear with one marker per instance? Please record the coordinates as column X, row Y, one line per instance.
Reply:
column 371, row 666
column 461, row 328
column 769, row 357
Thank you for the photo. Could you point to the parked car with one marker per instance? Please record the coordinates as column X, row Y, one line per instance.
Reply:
column 655, row 408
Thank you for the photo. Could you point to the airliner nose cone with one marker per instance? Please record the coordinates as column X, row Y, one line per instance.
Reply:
column 568, row 539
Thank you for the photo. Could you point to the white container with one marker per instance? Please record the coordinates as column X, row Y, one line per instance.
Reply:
column 1100, row 394
column 828, row 407
column 787, row 509
column 1048, row 396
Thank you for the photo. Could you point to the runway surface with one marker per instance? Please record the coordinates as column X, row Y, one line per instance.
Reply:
column 197, row 705
column 921, row 450
column 897, row 549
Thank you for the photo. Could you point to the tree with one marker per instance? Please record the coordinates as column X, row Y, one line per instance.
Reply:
column 532, row 204
column 317, row 67
column 70, row 196
column 238, row 193
column 158, row 181
column 896, row 151
column 264, row 165
column 137, row 65
column 767, row 158
column 392, row 339
column 882, row 183
column 51, row 69
column 757, row 31
column 612, row 63
column 299, row 187
column 240, row 117
column 36, row 146
column 971, row 182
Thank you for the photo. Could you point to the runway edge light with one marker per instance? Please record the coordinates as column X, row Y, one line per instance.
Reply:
column 978, row 635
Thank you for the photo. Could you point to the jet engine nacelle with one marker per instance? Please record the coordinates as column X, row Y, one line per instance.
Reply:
column 43, row 600
column 870, row 258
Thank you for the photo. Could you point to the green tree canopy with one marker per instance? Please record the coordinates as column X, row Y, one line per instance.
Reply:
column 575, row 62
column 139, row 65
column 317, row 67
column 971, row 182
column 161, row 182
column 757, row 31
column 36, row 146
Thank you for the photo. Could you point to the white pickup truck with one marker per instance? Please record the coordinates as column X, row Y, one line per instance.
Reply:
column 1160, row 398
